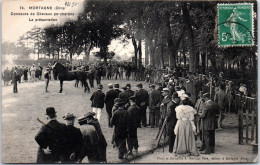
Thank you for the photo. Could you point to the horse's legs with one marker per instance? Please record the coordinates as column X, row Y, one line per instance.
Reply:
column 61, row 83
column 87, row 86
column 76, row 83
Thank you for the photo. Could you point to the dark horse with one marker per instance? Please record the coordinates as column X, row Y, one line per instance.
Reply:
column 64, row 75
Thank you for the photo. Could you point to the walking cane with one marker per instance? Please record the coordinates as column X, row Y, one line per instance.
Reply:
column 164, row 136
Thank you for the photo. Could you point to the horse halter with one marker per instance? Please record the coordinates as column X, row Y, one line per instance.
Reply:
column 54, row 66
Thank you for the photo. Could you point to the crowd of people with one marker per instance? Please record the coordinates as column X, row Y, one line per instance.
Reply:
column 170, row 106
column 22, row 74
column 188, row 106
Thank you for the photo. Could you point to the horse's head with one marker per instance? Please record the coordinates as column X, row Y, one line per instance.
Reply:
column 58, row 68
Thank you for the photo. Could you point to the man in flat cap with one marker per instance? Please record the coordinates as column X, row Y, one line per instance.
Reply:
column 154, row 106
column 98, row 100
column 51, row 139
column 119, row 120
column 116, row 87
column 208, row 124
column 74, row 140
column 110, row 97
column 133, row 121
column 101, row 138
column 90, row 141
column 142, row 101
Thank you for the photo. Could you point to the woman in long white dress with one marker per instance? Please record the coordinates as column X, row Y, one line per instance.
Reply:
column 185, row 128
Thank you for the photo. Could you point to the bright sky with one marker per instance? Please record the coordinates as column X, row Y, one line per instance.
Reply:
column 15, row 26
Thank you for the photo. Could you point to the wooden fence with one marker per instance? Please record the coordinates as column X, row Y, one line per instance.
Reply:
column 247, row 119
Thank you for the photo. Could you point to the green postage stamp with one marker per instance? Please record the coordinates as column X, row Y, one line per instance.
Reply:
column 235, row 24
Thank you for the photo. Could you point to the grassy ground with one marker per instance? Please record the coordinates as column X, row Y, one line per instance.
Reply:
column 19, row 125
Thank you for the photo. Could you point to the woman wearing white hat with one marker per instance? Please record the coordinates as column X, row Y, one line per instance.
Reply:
column 185, row 129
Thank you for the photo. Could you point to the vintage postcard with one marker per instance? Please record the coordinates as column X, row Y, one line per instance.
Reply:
column 116, row 81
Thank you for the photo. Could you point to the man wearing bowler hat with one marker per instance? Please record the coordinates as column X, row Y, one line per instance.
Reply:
column 98, row 100
column 133, row 121
column 51, row 139
column 124, row 95
column 116, row 87
column 142, row 101
column 74, row 140
column 110, row 97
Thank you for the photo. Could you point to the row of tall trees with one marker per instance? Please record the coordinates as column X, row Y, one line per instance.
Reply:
column 172, row 33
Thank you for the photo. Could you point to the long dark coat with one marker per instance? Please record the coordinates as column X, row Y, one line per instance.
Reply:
column 163, row 107
column 171, row 117
column 101, row 139
column 133, row 117
column 209, row 115
column 154, row 99
column 98, row 99
column 111, row 95
column 53, row 134
column 142, row 96
column 91, row 143
column 117, row 91
column 74, row 143
column 119, row 120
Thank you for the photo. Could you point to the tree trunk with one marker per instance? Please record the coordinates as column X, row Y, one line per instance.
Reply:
column 213, row 64
column 88, row 47
column 146, row 54
column 136, row 50
column 184, row 57
column 187, row 21
column 172, row 55
column 162, row 57
column 71, row 58
column 203, row 62
column 140, row 52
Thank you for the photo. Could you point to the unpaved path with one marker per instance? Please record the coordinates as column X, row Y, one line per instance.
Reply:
column 19, row 124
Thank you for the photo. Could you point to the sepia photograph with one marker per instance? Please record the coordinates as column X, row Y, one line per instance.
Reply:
column 129, row 81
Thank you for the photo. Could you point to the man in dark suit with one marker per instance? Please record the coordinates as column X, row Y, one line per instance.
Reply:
column 119, row 120
column 163, row 107
column 124, row 95
column 51, row 139
column 15, row 78
column 142, row 101
column 110, row 97
column 208, row 117
column 116, row 87
column 130, row 92
column 98, row 100
column 171, row 119
column 154, row 106
column 74, row 140
column 133, row 121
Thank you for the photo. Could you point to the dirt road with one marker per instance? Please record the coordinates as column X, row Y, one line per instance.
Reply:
column 19, row 124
